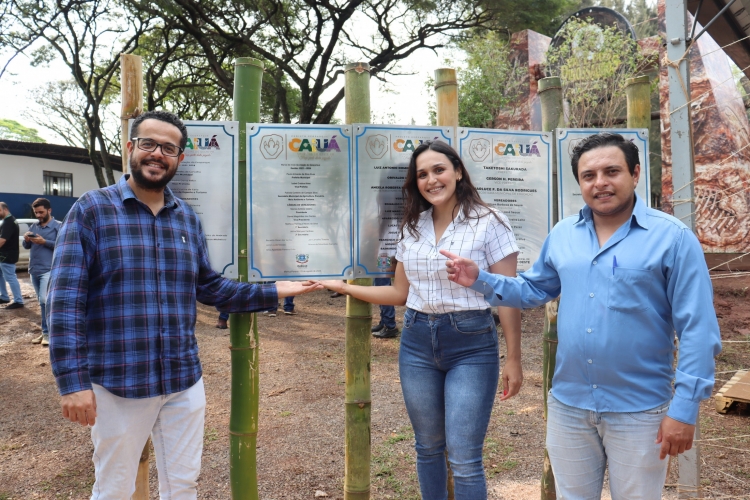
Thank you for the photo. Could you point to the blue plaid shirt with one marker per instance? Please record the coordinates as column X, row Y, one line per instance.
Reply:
column 123, row 291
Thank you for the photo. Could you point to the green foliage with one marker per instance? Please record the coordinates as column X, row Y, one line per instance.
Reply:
column 640, row 13
column 489, row 82
column 11, row 130
column 542, row 16
column 594, row 64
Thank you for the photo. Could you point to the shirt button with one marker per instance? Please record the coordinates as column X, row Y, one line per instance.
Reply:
column 591, row 295
column 594, row 386
column 588, row 330
column 594, row 262
column 590, row 361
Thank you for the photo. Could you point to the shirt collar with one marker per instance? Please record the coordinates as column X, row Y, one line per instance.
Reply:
column 126, row 192
column 638, row 216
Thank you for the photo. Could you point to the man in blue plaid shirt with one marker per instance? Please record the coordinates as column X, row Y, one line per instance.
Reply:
column 129, row 266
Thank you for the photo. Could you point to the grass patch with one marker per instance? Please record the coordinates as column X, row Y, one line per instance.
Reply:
column 284, row 413
column 394, row 474
column 210, row 435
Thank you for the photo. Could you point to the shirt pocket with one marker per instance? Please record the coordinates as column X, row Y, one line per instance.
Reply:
column 629, row 290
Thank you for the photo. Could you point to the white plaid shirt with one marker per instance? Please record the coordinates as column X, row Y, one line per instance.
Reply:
column 484, row 240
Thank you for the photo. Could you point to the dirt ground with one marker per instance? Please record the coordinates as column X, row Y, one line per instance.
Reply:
column 301, row 438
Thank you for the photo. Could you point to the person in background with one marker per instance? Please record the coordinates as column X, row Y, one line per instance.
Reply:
column 9, row 235
column 129, row 267
column 40, row 240
column 449, row 350
column 386, row 328
column 631, row 279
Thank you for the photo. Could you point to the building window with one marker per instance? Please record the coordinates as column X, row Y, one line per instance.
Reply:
column 58, row 184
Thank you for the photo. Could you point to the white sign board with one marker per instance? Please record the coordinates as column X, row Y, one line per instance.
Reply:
column 299, row 201
column 207, row 181
column 382, row 154
column 512, row 171
column 570, row 201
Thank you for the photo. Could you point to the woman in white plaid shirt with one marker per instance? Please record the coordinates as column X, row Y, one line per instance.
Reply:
column 448, row 358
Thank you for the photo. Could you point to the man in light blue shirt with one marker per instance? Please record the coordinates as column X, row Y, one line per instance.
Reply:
column 631, row 277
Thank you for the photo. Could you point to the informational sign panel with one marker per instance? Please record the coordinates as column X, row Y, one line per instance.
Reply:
column 382, row 154
column 207, row 181
column 300, row 203
column 512, row 170
column 570, row 201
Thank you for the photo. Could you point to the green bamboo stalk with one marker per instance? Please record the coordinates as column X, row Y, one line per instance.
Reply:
column 550, row 95
column 243, row 328
column 638, row 91
column 446, row 115
column 358, row 322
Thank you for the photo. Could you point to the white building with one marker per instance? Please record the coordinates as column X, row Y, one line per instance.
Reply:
column 59, row 173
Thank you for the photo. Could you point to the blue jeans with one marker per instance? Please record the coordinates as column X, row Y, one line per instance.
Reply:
column 581, row 443
column 40, row 283
column 449, row 369
column 9, row 275
column 387, row 313
column 288, row 305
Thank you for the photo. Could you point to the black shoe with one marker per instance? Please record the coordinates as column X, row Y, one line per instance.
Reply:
column 14, row 305
column 387, row 333
column 4, row 301
column 377, row 327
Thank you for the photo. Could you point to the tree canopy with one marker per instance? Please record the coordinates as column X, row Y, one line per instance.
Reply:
column 11, row 130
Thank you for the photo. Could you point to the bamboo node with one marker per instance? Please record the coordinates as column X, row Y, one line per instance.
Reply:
column 551, row 341
column 359, row 402
column 248, row 348
column 447, row 82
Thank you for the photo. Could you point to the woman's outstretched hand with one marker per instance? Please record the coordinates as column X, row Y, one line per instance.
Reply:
column 334, row 285
column 460, row 269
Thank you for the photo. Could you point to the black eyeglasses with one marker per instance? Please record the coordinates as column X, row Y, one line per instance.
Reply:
column 150, row 145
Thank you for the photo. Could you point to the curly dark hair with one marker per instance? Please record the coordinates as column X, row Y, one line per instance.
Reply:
column 466, row 194
column 601, row 140
column 163, row 116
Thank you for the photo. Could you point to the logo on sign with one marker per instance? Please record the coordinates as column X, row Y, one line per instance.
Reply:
column 509, row 149
column 271, row 146
column 479, row 149
column 314, row 145
column 408, row 145
column 202, row 143
column 376, row 146
column 384, row 262
column 302, row 258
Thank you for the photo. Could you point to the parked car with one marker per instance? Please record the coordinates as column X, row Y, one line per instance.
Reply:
column 23, row 254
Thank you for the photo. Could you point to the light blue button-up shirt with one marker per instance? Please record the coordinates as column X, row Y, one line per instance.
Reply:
column 620, row 307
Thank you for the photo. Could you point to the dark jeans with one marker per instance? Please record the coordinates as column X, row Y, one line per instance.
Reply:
column 387, row 313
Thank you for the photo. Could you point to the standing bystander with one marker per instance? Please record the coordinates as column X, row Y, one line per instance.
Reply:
column 40, row 239
column 8, row 258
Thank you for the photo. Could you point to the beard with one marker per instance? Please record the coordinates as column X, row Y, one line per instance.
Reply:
column 148, row 184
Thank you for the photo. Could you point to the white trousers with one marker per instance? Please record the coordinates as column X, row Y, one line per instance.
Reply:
column 123, row 425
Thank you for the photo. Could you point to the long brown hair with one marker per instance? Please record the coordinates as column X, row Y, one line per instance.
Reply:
column 466, row 194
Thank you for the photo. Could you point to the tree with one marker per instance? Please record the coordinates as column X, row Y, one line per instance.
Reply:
column 11, row 130
column 542, row 16
column 641, row 15
column 88, row 35
column 488, row 82
column 306, row 44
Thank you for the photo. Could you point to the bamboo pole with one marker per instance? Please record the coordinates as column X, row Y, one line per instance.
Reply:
column 131, row 85
column 357, row 402
column 446, row 96
column 243, row 328
column 638, row 91
column 131, row 96
column 550, row 95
